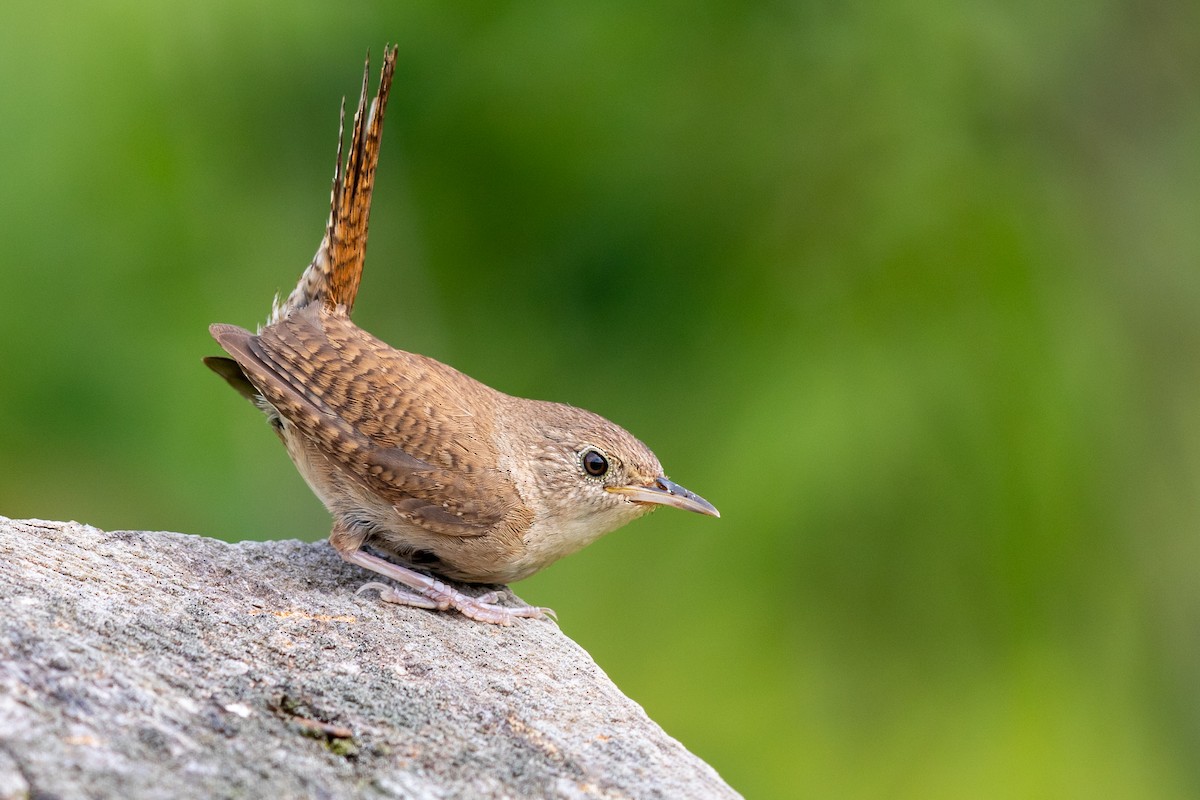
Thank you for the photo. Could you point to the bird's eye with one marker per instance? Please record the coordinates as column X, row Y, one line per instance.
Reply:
column 594, row 463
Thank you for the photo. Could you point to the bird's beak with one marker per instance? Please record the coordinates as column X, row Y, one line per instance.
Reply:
column 663, row 492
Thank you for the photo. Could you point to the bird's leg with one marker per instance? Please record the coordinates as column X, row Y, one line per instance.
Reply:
column 435, row 594
column 429, row 592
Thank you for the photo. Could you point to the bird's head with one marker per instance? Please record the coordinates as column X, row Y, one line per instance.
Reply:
column 596, row 474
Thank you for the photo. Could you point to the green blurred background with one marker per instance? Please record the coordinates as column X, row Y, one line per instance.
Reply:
column 908, row 290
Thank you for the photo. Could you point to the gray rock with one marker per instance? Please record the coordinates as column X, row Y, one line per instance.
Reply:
column 136, row 665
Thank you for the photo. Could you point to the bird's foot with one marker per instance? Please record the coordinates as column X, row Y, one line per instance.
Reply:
column 440, row 596
column 426, row 591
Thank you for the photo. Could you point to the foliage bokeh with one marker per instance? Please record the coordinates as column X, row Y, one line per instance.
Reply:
column 908, row 291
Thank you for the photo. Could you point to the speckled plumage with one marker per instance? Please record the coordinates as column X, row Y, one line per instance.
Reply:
column 412, row 456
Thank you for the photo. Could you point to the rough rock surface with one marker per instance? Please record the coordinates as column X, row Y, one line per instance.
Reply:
column 136, row 665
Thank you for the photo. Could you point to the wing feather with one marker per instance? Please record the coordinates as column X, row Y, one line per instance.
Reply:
column 397, row 422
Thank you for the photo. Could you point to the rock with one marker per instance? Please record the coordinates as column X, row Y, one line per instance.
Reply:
column 138, row 664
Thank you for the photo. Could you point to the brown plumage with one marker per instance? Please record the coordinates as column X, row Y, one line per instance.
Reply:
column 412, row 456
column 333, row 276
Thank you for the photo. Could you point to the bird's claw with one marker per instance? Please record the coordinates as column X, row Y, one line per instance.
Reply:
column 442, row 597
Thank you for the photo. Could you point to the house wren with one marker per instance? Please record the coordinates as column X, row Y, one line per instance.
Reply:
column 411, row 456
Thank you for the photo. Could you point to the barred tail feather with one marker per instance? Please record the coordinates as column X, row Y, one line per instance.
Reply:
column 333, row 276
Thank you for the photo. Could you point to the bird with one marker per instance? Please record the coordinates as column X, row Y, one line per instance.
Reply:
column 453, row 480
